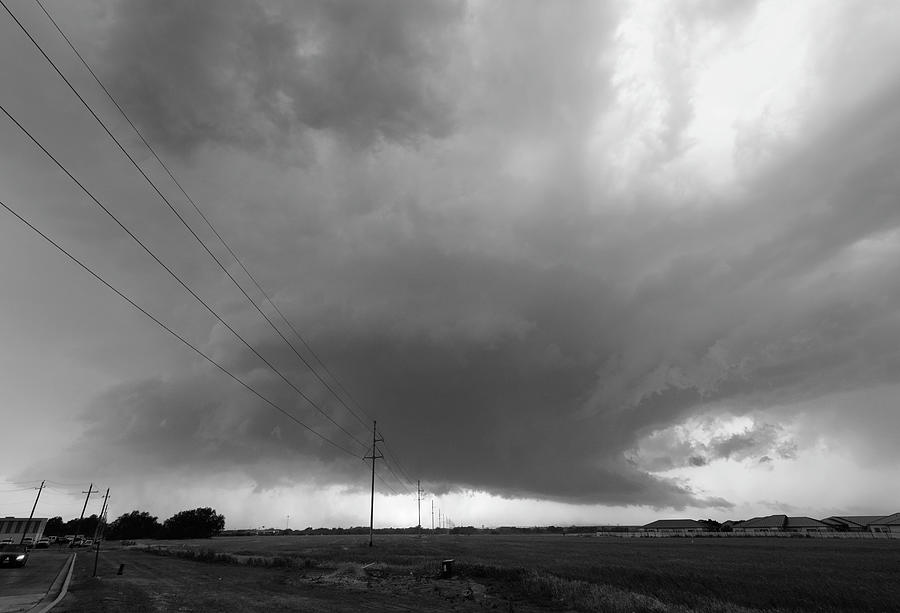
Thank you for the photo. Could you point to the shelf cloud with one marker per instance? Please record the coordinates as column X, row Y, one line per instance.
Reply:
column 551, row 249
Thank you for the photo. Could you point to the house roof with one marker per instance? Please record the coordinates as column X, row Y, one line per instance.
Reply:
column 888, row 520
column 804, row 522
column 860, row 521
column 674, row 524
column 770, row 521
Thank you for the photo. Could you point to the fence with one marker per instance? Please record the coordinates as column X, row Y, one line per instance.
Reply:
column 820, row 535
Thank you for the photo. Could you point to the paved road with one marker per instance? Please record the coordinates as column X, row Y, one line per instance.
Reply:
column 22, row 587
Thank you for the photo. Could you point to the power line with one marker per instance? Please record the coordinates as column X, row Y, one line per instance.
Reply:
column 199, row 211
column 59, row 491
column 176, row 277
column 396, row 461
column 399, row 480
column 165, row 327
column 180, row 218
column 203, row 244
column 385, row 484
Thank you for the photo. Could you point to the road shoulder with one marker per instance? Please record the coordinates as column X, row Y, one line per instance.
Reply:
column 58, row 589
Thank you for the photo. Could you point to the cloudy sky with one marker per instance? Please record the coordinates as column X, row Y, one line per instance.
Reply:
column 584, row 262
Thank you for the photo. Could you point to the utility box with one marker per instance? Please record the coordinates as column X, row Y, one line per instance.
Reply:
column 446, row 569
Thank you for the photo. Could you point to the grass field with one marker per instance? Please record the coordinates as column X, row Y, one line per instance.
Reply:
column 607, row 574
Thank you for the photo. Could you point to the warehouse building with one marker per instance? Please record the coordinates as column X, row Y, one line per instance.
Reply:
column 15, row 529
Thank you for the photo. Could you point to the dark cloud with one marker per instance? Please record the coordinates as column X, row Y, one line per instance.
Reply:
column 485, row 407
column 194, row 427
column 750, row 443
column 252, row 76
column 492, row 370
column 516, row 325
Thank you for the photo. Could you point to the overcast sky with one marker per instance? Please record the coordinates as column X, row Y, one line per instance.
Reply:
column 584, row 262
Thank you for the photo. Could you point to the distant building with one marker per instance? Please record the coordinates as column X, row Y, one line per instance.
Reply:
column 760, row 525
column 777, row 524
column 675, row 527
column 805, row 525
column 851, row 523
column 15, row 528
column 889, row 524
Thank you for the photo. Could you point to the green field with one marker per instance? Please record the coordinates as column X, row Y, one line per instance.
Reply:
column 608, row 574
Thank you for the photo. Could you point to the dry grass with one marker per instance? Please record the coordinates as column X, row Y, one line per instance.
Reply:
column 584, row 596
column 608, row 574
column 238, row 558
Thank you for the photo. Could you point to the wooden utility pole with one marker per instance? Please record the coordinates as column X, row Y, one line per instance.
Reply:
column 98, row 532
column 34, row 506
column 432, row 515
column 90, row 490
column 375, row 456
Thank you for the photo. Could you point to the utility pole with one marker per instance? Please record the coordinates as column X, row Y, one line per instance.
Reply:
column 375, row 456
column 90, row 490
column 419, row 502
column 102, row 515
column 287, row 522
column 25, row 531
column 98, row 531
column 432, row 515
column 440, row 525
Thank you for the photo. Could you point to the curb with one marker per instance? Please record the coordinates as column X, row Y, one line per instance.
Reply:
column 43, row 608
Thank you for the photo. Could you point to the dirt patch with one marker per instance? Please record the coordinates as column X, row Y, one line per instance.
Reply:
column 156, row 583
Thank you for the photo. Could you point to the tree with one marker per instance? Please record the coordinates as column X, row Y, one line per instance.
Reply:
column 55, row 527
column 197, row 523
column 88, row 525
column 134, row 525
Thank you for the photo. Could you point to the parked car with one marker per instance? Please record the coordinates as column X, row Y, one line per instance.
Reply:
column 43, row 543
column 29, row 541
column 6, row 542
column 87, row 542
column 12, row 554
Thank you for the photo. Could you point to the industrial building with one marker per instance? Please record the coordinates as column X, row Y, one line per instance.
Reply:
column 17, row 528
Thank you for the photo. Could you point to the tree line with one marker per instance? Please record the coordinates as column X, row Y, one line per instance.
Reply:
column 201, row 522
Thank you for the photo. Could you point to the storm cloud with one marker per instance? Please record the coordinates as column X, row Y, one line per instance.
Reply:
column 254, row 76
column 525, row 238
